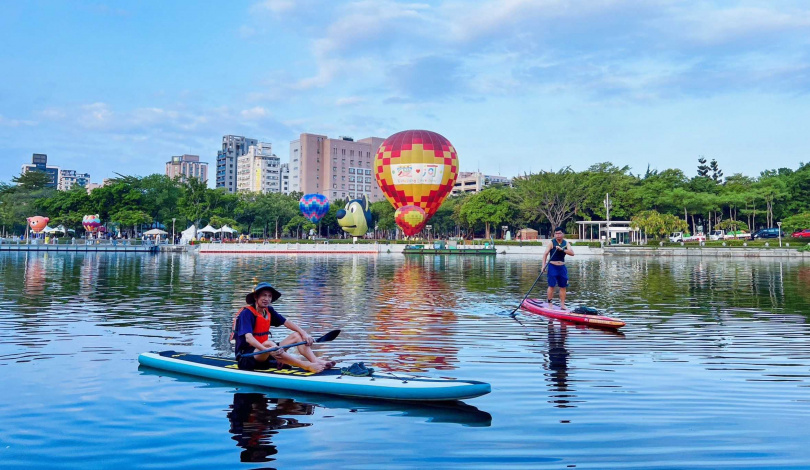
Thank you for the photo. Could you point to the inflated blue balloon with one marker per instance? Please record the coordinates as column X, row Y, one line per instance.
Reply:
column 314, row 207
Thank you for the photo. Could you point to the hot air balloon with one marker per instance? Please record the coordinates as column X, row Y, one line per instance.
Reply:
column 91, row 223
column 314, row 207
column 411, row 219
column 416, row 168
column 37, row 223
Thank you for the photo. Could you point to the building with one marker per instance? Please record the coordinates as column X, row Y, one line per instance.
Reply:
column 475, row 181
column 68, row 179
column 285, row 178
column 339, row 168
column 187, row 166
column 39, row 162
column 259, row 170
column 233, row 147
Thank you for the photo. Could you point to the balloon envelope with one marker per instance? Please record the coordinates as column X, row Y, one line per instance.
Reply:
column 416, row 168
column 91, row 223
column 37, row 223
column 314, row 206
column 411, row 219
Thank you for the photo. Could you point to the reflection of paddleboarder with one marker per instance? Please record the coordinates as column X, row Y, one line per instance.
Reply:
column 558, row 360
column 253, row 422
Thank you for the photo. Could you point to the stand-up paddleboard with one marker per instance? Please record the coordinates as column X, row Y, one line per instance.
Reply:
column 380, row 386
column 547, row 310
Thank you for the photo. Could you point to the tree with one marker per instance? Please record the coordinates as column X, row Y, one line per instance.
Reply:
column 488, row 207
column 796, row 222
column 382, row 214
column 703, row 169
column 716, row 172
column 658, row 225
column 555, row 196
column 131, row 218
column 32, row 180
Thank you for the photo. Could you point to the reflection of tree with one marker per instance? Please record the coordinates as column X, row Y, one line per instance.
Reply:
column 557, row 365
column 254, row 421
column 415, row 319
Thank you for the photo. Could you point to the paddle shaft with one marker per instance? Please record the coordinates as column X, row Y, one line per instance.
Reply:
column 532, row 287
column 327, row 337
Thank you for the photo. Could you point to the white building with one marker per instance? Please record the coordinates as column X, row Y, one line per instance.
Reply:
column 475, row 181
column 233, row 147
column 69, row 178
column 285, row 178
column 258, row 170
column 187, row 166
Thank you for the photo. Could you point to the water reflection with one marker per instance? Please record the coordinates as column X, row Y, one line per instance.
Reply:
column 255, row 419
column 557, row 365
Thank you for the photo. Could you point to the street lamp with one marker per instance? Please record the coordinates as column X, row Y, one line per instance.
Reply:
column 779, row 224
column 173, row 219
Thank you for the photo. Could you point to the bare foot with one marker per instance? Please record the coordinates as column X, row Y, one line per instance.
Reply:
column 314, row 366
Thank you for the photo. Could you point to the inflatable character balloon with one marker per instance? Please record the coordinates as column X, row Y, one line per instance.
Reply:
column 416, row 168
column 37, row 223
column 91, row 223
column 355, row 218
column 314, row 207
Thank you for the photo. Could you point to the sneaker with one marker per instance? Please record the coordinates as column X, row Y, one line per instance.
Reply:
column 358, row 369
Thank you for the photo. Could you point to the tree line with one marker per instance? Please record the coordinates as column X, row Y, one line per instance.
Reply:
column 657, row 202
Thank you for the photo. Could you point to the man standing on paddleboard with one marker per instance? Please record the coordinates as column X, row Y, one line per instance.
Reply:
column 558, row 247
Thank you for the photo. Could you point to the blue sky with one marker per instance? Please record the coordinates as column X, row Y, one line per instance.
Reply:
column 515, row 85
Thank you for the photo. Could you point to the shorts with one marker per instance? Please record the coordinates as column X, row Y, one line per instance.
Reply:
column 557, row 276
column 250, row 363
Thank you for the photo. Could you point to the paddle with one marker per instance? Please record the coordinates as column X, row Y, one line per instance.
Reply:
column 532, row 287
column 323, row 339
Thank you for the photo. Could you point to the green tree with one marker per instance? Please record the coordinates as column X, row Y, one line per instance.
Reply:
column 554, row 196
column 796, row 222
column 131, row 218
column 382, row 213
column 32, row 180
column 492, row 206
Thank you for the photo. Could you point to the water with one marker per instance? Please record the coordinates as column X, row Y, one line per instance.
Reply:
column 711, row 371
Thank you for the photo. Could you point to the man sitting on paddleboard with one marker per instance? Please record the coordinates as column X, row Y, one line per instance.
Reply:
column 557, row 272
column 252, row 333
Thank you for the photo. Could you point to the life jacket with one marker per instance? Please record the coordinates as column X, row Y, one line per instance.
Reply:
column 261, row 327
column 558, row 255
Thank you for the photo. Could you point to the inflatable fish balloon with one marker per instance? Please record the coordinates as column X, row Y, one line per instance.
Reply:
column 355, row 218
column 37, row 223
column 416, row 168
column 411, row 219
column 314, row 207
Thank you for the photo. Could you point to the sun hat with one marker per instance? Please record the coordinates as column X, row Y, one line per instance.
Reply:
column 250, row 298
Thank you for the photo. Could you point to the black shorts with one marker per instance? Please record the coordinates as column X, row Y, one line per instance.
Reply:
column 250, row 363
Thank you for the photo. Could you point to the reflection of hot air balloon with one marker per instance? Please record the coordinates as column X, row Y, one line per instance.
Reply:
column 37, row 223
column 416, row 168
column 314, row 207
column 91, row 223
column 411, row 219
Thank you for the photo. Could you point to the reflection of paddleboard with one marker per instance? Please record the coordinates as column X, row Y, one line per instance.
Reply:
column 382, row 386
column 544, row 308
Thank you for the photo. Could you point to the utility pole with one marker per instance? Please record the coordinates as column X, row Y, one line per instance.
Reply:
column 607, row 212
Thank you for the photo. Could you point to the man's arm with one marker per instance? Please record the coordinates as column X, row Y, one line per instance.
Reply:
column 568, row 250
column 304, row 335
column 548, row 250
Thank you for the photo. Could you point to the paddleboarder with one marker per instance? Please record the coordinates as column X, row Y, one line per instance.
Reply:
column 252, row 334
column 558, row 247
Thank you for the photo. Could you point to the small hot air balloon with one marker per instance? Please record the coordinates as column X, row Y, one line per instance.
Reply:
column 314, row 207
column 411, row 219
column 416, row 168
column 91, row 223
column 37, row 223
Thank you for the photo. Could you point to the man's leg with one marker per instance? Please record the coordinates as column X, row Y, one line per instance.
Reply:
column 550, row 295
column 562, row 298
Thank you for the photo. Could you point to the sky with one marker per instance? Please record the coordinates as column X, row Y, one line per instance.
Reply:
column 517, row 86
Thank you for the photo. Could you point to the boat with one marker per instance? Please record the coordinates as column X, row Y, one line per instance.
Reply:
column 540, row 307
column 331, row 382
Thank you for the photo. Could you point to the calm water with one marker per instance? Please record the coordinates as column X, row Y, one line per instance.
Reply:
column 711, row 371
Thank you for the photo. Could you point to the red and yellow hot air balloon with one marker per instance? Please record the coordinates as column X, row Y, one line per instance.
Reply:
column 416, row 168
column 411, row 219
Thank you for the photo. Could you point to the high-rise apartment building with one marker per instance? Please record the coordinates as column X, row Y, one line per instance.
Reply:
column 337, row 168
column 475, row 181
column 187, row 166
column 68, row 179
column 233, row 147
column 39, row 162
column 258, row 170
column 285, row 178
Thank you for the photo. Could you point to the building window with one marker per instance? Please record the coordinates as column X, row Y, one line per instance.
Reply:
column 368, row 188
column 343, row 151
column 342, row 186
column 351, row 178
column 351, row 171
column 351, row 186
column 334, row 186
column 334, row 168
column 368, row 179
column 351, row 162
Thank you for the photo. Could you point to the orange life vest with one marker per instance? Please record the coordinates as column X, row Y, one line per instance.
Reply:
column 261, row 327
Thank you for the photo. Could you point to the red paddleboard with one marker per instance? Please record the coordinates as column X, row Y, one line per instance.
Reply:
column 544, row 308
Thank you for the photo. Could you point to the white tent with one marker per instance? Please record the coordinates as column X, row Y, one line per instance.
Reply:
column 208, row 229
column 188, row 234
column 155, row 231
column 48, row 229
column 226, row 229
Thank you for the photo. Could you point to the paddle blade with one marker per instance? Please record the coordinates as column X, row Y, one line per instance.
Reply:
column 328, row 336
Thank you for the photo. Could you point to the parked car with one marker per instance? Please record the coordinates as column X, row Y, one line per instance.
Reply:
column 801, row 233
column 772, row 232
column 677, row 237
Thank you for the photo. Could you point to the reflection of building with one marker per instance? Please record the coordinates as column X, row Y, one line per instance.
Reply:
column 233, row 147
column 187, row 166
column 258, row 170
column 475, row 181
column 337, row 168
column 69, row 178
column 39, row 162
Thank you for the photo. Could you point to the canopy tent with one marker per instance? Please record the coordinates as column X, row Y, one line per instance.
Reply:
column 48, row 229
column 208, row 229
column 155, row 231
column 226, row 229
column 188, row 234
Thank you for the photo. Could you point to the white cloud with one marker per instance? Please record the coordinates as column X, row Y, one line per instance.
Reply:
column 275, row 6
column 254, row 113
column 5, row 122
column 348, row 101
